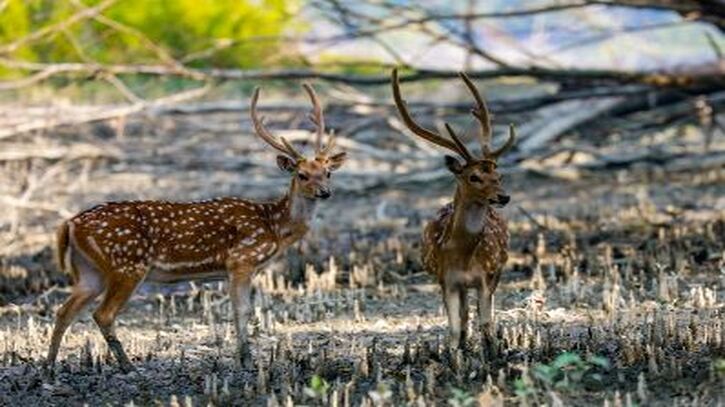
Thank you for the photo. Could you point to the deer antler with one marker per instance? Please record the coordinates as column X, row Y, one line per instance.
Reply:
column 330, row 144
column 480, row 112
column 510, row 142
column 457, row 140
column 316, row 116
column 284, row 147
column 456, row 145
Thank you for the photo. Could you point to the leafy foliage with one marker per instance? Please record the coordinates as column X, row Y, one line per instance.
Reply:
column 719, row 366
column 568, row 370
column 318, row 388
column 242, row 33
column 460, row 398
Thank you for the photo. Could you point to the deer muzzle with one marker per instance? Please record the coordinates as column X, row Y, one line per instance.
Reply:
column 501, row 200
column 323, row 193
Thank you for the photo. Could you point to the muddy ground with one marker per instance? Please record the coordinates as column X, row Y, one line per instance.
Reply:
column 614, row 294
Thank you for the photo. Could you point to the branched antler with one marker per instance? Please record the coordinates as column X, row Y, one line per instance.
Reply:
column 480, row 112
column 510, row 142
column 284, row 146
column 316, row 116
column 456, row 145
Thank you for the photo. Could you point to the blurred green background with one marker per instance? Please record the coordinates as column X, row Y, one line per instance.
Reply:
column 360, row 36
column 246, row 32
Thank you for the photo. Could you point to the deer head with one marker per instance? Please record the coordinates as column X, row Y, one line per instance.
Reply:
column 477, row 178
column 310, row 177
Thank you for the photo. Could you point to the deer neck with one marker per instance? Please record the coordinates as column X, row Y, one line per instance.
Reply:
column 300, row 209
column 469, row 220
column 291, row 216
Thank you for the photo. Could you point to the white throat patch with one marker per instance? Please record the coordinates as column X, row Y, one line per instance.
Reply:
column 303, row 209
column 474, row 219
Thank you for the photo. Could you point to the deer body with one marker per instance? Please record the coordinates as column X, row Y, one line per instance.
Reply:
column 169, row 241
column 477, row 250
column 466, row 245
column 114, row 247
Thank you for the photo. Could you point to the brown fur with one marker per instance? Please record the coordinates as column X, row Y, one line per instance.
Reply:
column 61, row 248
column 487, row 257
column 114, row 247
column 466, row 245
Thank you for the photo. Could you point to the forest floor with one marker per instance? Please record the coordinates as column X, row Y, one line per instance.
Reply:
column 614, row 294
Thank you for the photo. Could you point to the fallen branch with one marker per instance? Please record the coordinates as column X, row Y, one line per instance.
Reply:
column 570, row 114
column 96, row 115
column 584, row 76
column 18, row 152
column 19, row 203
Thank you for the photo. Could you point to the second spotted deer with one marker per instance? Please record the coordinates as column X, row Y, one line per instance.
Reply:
column 466, row 245
column 112, row 248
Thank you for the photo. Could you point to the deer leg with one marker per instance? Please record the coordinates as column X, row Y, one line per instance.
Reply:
column 464, row 313
column 486, row 317
column 240, row 291
column 485, row 308
column 119, row 289
column 66, row 314
column 452, row 298
column 88, row 287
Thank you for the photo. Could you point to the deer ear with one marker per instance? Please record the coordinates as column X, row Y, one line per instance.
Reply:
column 336, row 161
column 286, row 164
column 453, row 165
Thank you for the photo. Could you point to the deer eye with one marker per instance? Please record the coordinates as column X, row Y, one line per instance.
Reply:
column 328, row 174
column 475, row 178
column 303, row 177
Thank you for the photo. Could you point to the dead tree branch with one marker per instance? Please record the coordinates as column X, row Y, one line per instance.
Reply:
column 572, row 76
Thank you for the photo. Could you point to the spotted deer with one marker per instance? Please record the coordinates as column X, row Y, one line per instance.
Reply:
column 466, row 245
column 114, row 247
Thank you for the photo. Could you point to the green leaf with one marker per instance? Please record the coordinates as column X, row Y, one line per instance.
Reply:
column 318, row 384
column 562, row 384
column 458, row 393
column 545, row 373
column 521, row 388
column 600, row 361
column 567, row 359
column 720, row 365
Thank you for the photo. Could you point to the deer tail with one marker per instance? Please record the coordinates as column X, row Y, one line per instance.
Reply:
column 63, row 250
